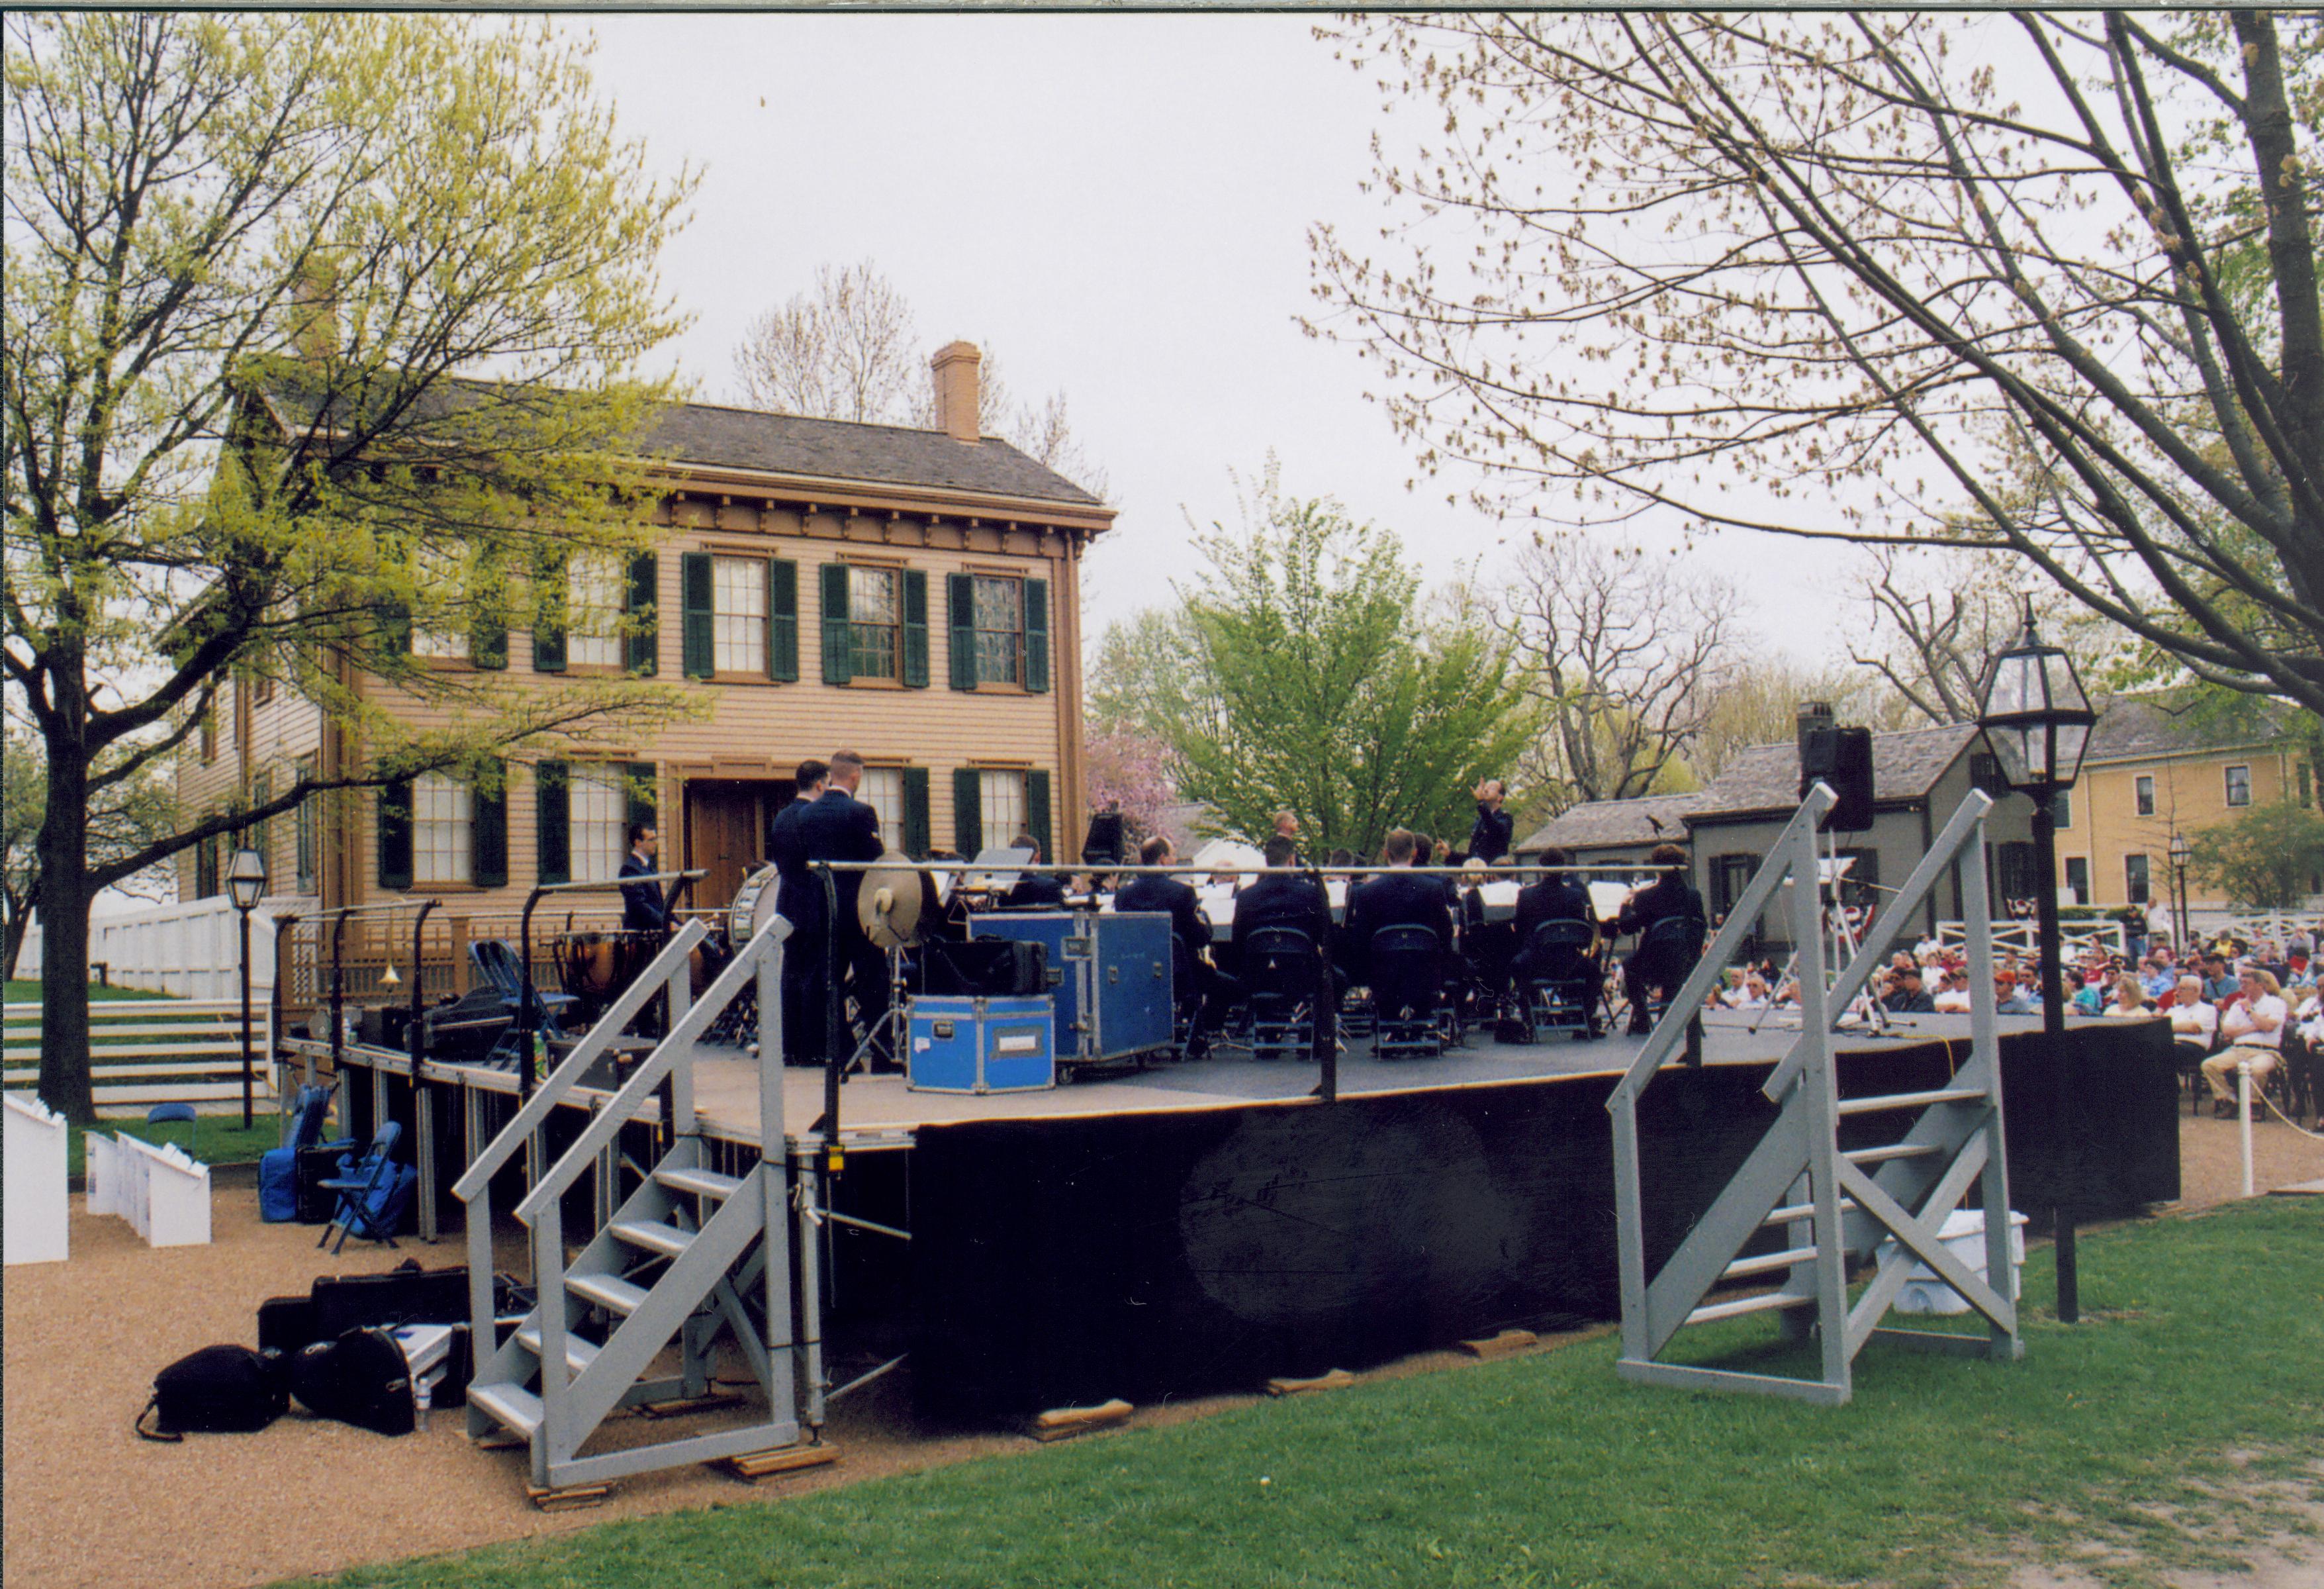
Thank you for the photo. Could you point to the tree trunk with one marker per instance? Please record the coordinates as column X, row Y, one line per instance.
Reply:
column 64, row 937
column 20, row 922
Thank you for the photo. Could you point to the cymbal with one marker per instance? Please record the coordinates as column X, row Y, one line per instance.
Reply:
column 889, row 907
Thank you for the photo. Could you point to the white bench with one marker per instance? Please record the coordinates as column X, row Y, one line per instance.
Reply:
column 165, row 1195
column 33, row 1152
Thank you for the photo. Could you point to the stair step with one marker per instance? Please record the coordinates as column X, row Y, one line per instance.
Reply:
column 1765, row 1261
column 1910, row 1100
column 698, row 1183
column 578, row 1352
column 1766, row 1303
column 653, row 1236
column 1789, row 1212
column 512, row 1407
column 1893, row 1150
column 607, row 1290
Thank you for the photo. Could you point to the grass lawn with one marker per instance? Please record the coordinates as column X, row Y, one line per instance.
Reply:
column 2194, row 1377
column 27, row 991
column 219, row 1139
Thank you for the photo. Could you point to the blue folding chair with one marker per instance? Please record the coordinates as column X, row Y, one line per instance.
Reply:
column 367, row 1207
column 278, row 1167
column 165, row 1114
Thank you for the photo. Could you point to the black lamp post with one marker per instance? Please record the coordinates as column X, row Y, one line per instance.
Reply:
column 245, row 885
column 2037, row 719
column 2181, row 852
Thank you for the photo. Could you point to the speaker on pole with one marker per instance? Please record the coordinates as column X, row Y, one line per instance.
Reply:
column 1103, row 847
column 1842, row 758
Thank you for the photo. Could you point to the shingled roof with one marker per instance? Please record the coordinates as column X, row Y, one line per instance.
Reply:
column 2131, row 729
column 838, row 449
column 1765, row 778
column 1597, row 824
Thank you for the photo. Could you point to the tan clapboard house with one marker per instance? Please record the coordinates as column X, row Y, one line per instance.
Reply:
column 911, row 594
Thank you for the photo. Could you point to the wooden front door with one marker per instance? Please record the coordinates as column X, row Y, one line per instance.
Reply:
column 726, row 833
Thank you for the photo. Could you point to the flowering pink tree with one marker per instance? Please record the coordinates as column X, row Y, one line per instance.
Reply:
column 1131, row 771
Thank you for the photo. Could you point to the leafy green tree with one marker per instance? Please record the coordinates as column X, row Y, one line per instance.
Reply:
column 1313, row 685
column 2265, row 859
column 319, row 331
column 2042, row 283
column 125, row 817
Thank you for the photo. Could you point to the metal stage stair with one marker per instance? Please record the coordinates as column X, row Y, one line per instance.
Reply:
column 1831, row 1205
column 688, row 1255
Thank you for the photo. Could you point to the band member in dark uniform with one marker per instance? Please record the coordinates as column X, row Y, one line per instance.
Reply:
column 1209, row 995
column 1281, row 897
column 798, row 898
column 1667, row 896
column 1034, row 890
column 1558, row 898
column 1495, row 830
column 643, row 907
column 1398, row 897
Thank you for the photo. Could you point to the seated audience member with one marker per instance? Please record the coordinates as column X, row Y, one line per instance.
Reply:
column 1908, row 995
column 2254, row 1030
column 2088, row 998
column 2129, row 997
column 2218, row 981
column 2194, row 1019
column 1669, row 895
column 1951, row 997
column 2015, row 997
column 1753, row 994
column 1034, row 890
column 2155, row 976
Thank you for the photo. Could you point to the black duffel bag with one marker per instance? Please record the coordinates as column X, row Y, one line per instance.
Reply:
column 217, row 1390
column 360, row 1379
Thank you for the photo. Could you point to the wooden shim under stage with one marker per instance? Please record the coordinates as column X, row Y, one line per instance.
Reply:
column 768, row 1465
column 684, row 1404
column 1338, row 1379
column 1062, row 1423
column 1503, row 1344
column 568, row 1497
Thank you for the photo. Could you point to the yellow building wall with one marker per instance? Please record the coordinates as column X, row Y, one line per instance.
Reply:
column 2190, row 794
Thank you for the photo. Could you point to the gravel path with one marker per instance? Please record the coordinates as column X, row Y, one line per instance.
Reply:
column 88, row 1503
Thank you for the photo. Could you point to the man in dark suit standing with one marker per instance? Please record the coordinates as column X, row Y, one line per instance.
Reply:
column 1281, row 897
column 840, row 828
column 798, row 898
column 1034, row 890
column 643, row 907
column 1556, row 897
column 1208, row 995
column 1669, row 895
column 1398, row 897
column 1495, row 830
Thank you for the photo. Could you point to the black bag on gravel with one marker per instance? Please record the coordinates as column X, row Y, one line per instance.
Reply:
column 360, row 1379
column 217, row 1390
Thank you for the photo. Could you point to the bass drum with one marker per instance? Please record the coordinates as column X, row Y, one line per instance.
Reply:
column 753, row 907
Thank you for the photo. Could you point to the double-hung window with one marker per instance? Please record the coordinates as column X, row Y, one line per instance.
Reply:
column 599, row 822
column 739, row 615
column 1000, row 800
column 438, row 574
column 999, row 631
column 742, row 615
column 883, row 791
column 592, row 605
column 2239, row 786
column 443, row 822
column 999, row 608
column 2143, row 791
column 875, row 617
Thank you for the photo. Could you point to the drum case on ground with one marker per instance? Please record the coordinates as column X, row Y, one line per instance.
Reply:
column 980, row 1045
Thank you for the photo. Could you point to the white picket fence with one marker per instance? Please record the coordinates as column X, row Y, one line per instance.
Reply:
column 191, row 951
column 37, row 1203
column 148, row 1051
column 2076, row 938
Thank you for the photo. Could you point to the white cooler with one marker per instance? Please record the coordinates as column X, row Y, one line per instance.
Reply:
column 1963, row 1234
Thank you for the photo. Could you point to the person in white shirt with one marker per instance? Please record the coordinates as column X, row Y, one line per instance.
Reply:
column 1953, row 993
column 2254, row 1029
column 2193, row 1021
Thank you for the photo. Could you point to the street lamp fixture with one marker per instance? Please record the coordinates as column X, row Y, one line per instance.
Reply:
column 245, row 885
column 2037, row 720
column 2181, row 852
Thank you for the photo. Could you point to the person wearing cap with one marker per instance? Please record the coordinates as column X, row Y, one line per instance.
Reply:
column 2014, row 998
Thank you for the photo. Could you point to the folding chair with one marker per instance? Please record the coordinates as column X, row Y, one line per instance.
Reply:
column 166, row 1114
column 1558, row 980
column 364, row 1209
column 1283, row 973
column 1407, row 979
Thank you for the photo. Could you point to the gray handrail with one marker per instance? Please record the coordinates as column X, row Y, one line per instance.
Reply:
column 1709, row 967
column 551, row 1092
column 607, row 1123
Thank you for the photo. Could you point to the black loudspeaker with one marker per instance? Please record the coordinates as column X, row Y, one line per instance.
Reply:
column 985, row 968
column 1842, row 758
column 1103, row 848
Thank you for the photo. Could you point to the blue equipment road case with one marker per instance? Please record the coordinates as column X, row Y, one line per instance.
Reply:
column 1110, row 973
column 980, row 1045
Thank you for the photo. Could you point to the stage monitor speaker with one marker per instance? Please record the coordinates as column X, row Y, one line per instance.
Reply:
column 1842, row 758
column 1103, row 847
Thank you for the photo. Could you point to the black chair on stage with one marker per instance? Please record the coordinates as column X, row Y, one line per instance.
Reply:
column 1665, row 958
column 1559, row 979
column 1407, row 981
column 497, row 964
column 1282, row 970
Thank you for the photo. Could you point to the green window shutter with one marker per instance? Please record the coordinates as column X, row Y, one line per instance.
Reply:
column 1037, row 814
column 782, row 620
column 915, row 813
column 1037, row 635
column 549, row 612
column 916, row 629
column 695, row 575
column 643, row 640
column 838, row 663
column 967, row 812
column 488, row 836
column 395, row 834
column 395, row 629
column 639, row 777
column 488, row 624
column 959, row 600
column 552, row 829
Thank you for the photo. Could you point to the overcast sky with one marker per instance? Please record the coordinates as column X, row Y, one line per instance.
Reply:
column 1120, row 207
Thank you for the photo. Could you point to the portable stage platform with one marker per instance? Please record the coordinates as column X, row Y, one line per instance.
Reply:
column 1200, row 1226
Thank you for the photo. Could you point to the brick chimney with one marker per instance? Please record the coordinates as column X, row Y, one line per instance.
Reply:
column 955, row 365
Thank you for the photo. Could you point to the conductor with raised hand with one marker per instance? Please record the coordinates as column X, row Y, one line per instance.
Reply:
column 1495, row 830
